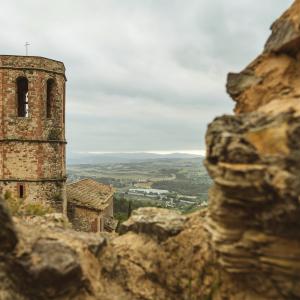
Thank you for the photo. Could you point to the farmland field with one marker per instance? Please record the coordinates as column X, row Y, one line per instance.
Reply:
column 185, row 178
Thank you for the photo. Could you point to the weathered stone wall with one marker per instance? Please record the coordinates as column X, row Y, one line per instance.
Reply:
column 109, row 210
column 32, row 149
column 37, row 126
column 50, row 193
column 84, row 219
column 24, row 160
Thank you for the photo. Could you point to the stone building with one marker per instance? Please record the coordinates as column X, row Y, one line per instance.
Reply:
column 32, row 129
column 90, row 206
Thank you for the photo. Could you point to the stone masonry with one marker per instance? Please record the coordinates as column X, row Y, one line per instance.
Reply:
column 32, row 129
column 90, row 206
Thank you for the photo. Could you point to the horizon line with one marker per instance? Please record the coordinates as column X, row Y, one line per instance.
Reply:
column 161, row 152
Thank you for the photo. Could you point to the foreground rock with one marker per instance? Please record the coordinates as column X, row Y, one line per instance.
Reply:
column 158, row 223
column 254, row 209
column 8, row 236
column 245, row 246
column 58, row 263
column 274, row 74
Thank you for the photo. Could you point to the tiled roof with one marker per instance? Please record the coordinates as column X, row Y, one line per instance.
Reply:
column 89, row 193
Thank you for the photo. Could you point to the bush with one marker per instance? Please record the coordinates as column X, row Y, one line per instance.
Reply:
column 36, row 209
column 20, row 208
column 13, row 204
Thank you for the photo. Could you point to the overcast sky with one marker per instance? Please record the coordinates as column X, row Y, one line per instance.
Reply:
column 143, row 75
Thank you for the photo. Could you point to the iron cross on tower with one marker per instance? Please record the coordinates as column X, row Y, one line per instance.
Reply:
column 26, row 46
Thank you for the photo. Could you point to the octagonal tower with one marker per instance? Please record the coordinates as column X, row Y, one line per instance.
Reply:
column 32, row 129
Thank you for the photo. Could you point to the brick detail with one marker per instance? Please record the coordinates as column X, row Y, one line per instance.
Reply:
column 32, row 149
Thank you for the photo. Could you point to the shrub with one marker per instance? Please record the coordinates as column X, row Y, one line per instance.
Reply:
column 13, row 204
column 36, row 209
column 20, row 208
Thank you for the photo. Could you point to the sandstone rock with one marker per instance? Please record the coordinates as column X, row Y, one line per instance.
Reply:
column 273, row 75
column 171, row 269
column 95, row 243
column 51, row 269
column 8, row 242
column 58, row 263
column 159, row 223
column 285, row 35
column 253, row 158
column 254, row 204
column 237, row 83
column 49, row 220
column 8, row 236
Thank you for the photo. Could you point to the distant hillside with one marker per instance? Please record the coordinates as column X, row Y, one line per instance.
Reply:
column 105, row 158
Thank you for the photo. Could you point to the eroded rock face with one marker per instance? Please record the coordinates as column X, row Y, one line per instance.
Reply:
column 171, row 269
column 254, row 208
column 52, row 268
column 162, row 255
column 158, row 223
column 275, row 73
column 8, row 237
column 285, row 37
column 254, row 160
column 8, row 242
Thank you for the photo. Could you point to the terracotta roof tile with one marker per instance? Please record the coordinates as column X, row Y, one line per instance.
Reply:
column 89, row 193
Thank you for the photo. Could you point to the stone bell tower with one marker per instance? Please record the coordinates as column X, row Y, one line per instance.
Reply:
column 32, row 129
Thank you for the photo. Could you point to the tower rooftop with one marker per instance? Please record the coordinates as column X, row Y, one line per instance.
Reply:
column 32, row 63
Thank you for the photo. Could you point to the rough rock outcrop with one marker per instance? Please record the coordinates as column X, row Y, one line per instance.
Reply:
column 58, row 263
column 245, row 246
column 160, row 225
column 8, row 237
column 254, row 160
column 254, row 208
column 275, row 73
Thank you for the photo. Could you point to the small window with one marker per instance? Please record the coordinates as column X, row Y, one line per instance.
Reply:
column 22, row 93
column 21, row 191
column 50, row 97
